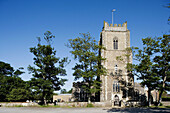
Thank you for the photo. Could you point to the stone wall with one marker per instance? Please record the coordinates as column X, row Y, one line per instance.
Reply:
column 83, row 104
column 13, row 104
column 166, row 103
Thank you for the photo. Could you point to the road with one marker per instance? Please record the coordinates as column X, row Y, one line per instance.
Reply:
column 81, row 110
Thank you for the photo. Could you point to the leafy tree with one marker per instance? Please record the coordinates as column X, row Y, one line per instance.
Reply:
column 9, row 80
column 63, row 91
column 6, row 69
column 48, row 71
column 157, row 58
column 161, row 48
column 144, row 68
column 18, row 94
column 86, row 50
column 39, row 87
column 70, row 91
column 154, row 60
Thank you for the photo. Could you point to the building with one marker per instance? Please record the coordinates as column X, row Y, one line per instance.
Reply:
column 78, row 93
column 62, row 98
column 118, row 84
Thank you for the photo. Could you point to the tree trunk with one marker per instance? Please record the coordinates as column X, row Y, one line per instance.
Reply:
column 45, row 101
column 160, row 95
column 43, row 98
column 42, row 101
column 89, row 97
column 163, row 87
column 149, row 97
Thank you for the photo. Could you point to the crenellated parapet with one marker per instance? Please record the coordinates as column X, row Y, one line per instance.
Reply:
column 115, row 27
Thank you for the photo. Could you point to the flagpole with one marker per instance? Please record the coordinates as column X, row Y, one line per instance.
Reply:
column 112, row 15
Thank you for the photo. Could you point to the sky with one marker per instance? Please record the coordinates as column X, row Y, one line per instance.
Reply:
column 21, row 21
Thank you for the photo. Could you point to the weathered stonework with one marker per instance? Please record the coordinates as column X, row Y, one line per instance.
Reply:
column 116, row 70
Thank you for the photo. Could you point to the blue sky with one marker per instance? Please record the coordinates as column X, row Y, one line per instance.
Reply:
column 21, row 21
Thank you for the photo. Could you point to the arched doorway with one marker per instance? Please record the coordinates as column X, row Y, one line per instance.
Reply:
column 116, row 100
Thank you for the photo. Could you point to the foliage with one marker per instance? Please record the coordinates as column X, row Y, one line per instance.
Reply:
column 90, row 105
column 161, row 49
column 165, row 98
column 64, row 91
column 6, row 69
column 39, row 87
column 48, row 71
column 126, row 59
column 70, row 91
column 10, row 80
column 86, row 50
column 144, row 68
column 161, row 104
column 18, row 94
column 153, row 67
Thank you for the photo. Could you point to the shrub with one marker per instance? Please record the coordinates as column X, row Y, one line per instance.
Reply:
column 90, row 105
column 161, row 104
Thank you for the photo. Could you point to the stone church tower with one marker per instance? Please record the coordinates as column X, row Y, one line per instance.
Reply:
column 117, row 85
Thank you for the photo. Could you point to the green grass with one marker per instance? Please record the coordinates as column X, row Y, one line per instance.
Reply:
column 14, row 106
column 159, row 106
column 18, row 106
column 90, row 105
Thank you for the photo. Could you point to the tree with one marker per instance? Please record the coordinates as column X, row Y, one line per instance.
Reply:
column 63, row 91
column 144, row 68
column 48, row 71
column 86, row 50
column 161, row 48
column 70, row 91
column 157, row 57
column 6, row 69
column 9, row 80
column 18, row 95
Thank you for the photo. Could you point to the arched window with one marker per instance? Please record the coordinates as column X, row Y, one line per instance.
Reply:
column 116, row 87
column 116, row 100
column 115, row 43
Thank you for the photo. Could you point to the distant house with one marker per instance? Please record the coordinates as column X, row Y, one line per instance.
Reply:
column 62, row 98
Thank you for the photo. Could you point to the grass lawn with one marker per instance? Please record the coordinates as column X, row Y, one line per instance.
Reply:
column 160, row 106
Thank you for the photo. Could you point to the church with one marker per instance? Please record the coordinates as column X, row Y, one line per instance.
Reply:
column 118, row 85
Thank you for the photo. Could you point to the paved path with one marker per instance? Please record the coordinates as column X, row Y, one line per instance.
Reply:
column 81, row 110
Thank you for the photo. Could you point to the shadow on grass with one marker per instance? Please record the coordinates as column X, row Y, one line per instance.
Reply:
column 141, row 110
column 167, row 106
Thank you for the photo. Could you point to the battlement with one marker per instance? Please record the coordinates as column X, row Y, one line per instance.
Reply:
column 116, row 27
